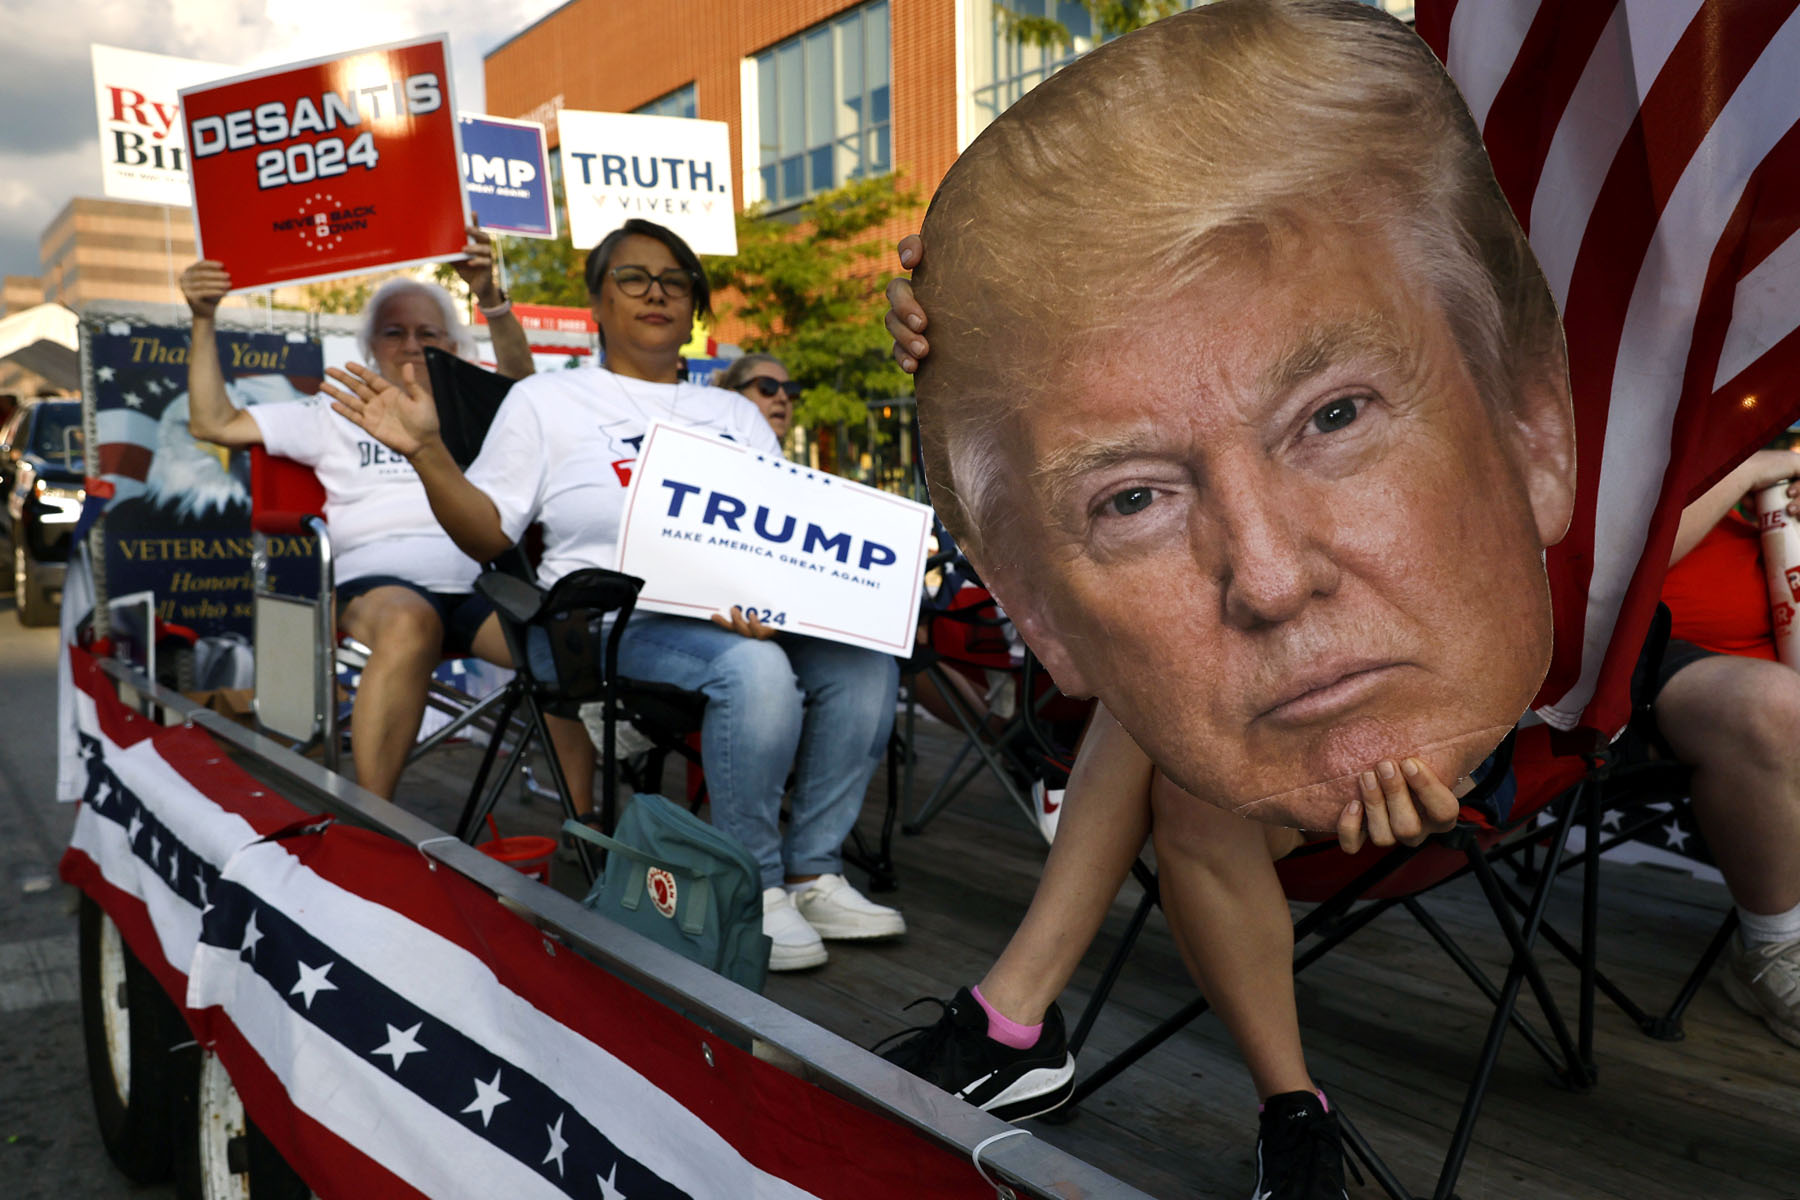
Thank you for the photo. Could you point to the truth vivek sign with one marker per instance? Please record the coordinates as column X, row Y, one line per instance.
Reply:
column 331, row 167
column 710, row 524
column 675, row 171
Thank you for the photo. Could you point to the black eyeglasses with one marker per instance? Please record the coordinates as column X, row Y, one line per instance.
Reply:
column 770, row 387
column 635, row 282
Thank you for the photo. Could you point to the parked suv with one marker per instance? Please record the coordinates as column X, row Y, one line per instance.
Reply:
column 41, row 472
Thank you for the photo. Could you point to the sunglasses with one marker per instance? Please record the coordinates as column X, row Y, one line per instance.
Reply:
column 770, row 388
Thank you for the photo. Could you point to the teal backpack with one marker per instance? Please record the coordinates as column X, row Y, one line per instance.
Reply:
column 683, row 884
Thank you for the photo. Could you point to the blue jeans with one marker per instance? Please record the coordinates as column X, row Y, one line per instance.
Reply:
column 821, row 708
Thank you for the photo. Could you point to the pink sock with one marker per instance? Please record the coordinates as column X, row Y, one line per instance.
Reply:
column 1322, row 1101
column 1005, row 1030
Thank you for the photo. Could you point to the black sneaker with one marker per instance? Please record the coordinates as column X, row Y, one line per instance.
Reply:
column 1299, row 1152
column 956, row 1054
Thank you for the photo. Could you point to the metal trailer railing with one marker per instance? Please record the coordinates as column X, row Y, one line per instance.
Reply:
column 1021, row 1165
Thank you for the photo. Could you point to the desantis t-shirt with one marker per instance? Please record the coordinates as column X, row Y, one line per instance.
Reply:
column 562, row 446
column 381, row 523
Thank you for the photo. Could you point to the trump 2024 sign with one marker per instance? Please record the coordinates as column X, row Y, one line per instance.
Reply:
column 710, row 524
column 506, row 173
column 332, row 167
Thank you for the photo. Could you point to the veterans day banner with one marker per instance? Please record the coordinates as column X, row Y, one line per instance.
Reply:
column 143, row 150
column 506, row 172
column 331, row 167
column 711, row 523
column 177, row 515
column 675, row 171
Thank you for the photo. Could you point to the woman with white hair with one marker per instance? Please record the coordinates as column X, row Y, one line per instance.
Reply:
column 403, row 588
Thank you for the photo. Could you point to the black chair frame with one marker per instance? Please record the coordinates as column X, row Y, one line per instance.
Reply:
column 579, row 605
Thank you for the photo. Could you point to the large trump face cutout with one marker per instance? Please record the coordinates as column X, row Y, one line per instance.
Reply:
column 1270, row 469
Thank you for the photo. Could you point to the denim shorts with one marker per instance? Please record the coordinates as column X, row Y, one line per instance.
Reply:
column 461, row 612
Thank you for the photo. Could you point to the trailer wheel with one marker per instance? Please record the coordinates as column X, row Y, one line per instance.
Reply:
column 222, row 1155
column 128, row 1024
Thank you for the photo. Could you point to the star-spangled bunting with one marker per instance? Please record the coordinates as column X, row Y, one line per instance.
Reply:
column 401, row 1043
column 517, row 1111
column 252, row 935
column 557, row 1145
column 313, row 981
column 488, row 1097
column 493, row 1098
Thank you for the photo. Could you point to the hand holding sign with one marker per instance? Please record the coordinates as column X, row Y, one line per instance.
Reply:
column 1396, row 801
column 476, row 268
column 404, row 420
column 204, row 284
column 744, row 624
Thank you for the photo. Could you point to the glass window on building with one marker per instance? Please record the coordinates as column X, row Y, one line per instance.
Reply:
column 679, row 103
column 1002, row 69
column 825, row 107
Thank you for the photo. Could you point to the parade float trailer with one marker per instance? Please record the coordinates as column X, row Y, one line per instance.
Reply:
column 292, row 987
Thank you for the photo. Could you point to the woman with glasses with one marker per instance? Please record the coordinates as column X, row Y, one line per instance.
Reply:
column 762, row 380
column 560, row 452
column 403, row 589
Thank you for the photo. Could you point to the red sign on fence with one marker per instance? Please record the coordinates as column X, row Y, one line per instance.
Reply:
column 326, row 168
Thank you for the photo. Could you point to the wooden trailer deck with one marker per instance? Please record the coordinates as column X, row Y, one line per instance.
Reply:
column 1392, row 1026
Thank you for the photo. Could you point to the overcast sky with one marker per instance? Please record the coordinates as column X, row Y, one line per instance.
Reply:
column 49, row 140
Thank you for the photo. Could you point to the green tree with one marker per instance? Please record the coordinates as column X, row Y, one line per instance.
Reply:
column 1111, row 18
column 806, row 285
column 545, row 270
column 343, row 297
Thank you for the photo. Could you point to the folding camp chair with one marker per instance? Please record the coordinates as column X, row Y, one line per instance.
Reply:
column 1631, row 789
column 467, row 397
column 968, row 638
column 299, row 653
column 1554, row 792
column 564, row 644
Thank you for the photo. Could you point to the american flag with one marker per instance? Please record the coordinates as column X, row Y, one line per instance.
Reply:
column 1650, row 148
column 138, row 384
column 395, row 1032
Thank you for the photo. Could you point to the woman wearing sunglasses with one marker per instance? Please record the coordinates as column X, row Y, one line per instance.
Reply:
column 764, row 381
column 560, row 452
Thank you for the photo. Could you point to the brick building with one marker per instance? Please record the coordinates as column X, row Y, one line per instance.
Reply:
column 815, row 92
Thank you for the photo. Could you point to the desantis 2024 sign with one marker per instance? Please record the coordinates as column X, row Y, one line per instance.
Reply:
column 326, row 168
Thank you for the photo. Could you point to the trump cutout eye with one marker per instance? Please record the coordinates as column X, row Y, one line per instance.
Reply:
column 1335, row 415
column 1132, row 500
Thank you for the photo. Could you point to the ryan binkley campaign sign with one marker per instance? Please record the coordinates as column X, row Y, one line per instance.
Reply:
column 506, row 173
column 331, row 167
column 710, row 523
column 675, row 171
column 143, row 155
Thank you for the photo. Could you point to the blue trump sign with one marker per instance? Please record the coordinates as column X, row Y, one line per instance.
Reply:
column 507, row 174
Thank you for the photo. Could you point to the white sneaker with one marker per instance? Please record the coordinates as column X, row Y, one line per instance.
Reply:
column 1764, row 981
column 1046, row 806
column 837, row 910
column 796, row 944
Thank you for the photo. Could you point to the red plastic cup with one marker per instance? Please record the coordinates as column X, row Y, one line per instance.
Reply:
column 530, row 855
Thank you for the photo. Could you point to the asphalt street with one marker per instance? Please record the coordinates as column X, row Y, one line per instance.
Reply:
column 49, row 1148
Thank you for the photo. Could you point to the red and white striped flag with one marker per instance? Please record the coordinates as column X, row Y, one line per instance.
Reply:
column 1651, row 150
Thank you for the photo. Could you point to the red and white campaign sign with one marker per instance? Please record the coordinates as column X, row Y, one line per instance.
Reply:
column 331, row 167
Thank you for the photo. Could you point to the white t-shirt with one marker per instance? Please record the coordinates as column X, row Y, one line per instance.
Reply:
column 381, row 523
column 561, row 449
